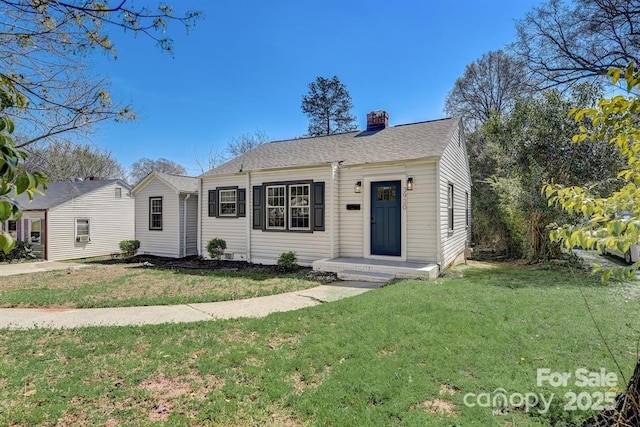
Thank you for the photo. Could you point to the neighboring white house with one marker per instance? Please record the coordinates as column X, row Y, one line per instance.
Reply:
column 76, row 219
column 167, row 214
column 388, row 194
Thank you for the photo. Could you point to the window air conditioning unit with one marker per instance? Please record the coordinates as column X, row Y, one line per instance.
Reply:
column 83, row 239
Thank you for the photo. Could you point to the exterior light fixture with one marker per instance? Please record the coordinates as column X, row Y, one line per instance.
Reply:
column 410, row 183
column 358, row 188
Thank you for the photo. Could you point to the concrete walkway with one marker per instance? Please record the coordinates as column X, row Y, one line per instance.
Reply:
column 25, row 318
column 36, row 267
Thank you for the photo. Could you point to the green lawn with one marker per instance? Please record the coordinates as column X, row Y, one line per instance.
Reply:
column 405, row 354
column 124, row 284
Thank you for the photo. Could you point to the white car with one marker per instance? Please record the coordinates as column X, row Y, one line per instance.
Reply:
column 631, row 256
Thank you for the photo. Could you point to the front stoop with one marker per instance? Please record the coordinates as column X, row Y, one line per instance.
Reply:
column 365, row 276
column 372, row 270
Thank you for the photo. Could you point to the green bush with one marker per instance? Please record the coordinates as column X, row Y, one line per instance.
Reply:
column 288, row 261
column 216, row 248
column 21, row 251
column 129, row 247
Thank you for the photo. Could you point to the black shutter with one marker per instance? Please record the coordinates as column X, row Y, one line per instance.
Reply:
column 242, row 202
column 213, row 205
column 258, row 207
column 318, row 206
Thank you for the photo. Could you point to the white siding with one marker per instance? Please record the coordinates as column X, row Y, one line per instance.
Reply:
column 111, row 221
column 231, row 230
column 165, row 242
column 420, row 207
column 266, row 246
column 454, row 168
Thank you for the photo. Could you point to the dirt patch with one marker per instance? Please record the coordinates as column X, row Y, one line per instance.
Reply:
column 312, row 379
column 448, row 389
column 438, row 406
column 164, row 391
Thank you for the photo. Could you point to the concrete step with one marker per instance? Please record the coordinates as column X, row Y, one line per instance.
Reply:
column 365, row 276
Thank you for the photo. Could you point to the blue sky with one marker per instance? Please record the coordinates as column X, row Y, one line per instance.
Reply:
column 246, row 65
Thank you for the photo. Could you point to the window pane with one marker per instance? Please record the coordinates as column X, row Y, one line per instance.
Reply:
column 227, row 202
column 386, row 193
column 118, row 193
column 155, row 214
column 276, row 207
column 298, row 206
column 82, row 227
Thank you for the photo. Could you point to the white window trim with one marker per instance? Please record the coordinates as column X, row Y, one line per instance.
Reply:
column 235, row 202
column 268, row 206
column 291, row 207
column 151, row 213
column 75, row 223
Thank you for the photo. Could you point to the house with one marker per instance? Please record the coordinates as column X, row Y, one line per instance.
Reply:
column 388, row 193
column 76, row 219
column 167, row 214
column 396, row 197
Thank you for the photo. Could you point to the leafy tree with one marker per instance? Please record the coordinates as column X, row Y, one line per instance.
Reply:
column 489, row 86
column 602, row 223
column 12, row 182
column 563, row 42
column 66, row 161
column 145, row 166
column 43, row 53
column 532, row 145
column 328, row 106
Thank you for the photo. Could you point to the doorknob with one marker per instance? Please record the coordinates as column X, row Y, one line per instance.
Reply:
column 373, row 220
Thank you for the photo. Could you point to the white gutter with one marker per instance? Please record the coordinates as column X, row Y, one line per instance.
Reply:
column 184, row 225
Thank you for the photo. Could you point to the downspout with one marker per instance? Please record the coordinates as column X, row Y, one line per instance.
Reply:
column 334, row 217
column 439, row 256
column 184, row 225
column 248, row 203
column 199, row 225
column 45, row 226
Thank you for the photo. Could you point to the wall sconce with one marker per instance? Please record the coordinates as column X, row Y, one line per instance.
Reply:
column 410, row 183
column 358, row 188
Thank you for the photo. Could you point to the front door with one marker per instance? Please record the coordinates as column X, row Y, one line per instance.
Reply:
column 385, row 218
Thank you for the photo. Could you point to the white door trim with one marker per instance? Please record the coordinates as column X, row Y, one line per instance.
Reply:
column 367, row 215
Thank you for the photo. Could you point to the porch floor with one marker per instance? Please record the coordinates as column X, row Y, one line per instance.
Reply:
column 376, row 269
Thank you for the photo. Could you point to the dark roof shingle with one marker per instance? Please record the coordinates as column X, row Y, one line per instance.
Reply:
column 395, row 143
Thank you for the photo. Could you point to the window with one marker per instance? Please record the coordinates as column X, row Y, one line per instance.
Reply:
column 12, row 228
column 287, row 206
column 466, row 209
column 155, row 213
column 450, row 207
column 276, row 207
column 35, row 234
column 82, row 230
column 228, row 202
column 118, row 193
column 299, row 207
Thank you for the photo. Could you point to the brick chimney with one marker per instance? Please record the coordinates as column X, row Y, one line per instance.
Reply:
column 377, row 120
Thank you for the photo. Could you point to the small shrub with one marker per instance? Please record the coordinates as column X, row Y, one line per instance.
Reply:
column 216, row 248
column 129, row 247
column 21, row 251
column 288, row 261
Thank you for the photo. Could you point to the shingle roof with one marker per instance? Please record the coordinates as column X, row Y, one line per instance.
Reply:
column 395, row 143
column 58, row 193
column 183, row 184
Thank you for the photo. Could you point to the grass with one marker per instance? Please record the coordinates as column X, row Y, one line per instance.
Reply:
column 405, row 354
column 123, row 285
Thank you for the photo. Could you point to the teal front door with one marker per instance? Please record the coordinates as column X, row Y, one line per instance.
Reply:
column 385, row 218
